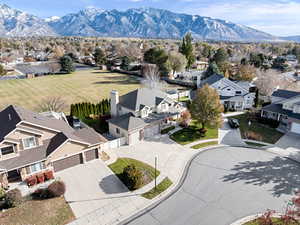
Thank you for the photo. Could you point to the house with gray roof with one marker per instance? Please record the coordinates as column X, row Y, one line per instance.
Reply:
column 141, row 113
column 235, row 95
column 33, row 143
column 285, row 108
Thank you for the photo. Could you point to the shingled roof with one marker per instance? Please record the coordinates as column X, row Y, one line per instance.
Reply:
column 142, row 96
column 128, row 122
column 285, row 93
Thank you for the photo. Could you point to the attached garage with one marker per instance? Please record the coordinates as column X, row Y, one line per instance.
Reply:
column 134, row 137
column 295, row 128
column 152, row 131
column 91, row 155
column 67, row 162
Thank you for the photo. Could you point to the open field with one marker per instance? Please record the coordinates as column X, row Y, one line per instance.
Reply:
column 87, row 85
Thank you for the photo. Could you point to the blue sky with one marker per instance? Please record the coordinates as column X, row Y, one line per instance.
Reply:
column 278, row 17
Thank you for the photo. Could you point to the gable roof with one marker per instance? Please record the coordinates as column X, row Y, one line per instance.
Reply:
column 142, row 96
column 18, row 115
column 217, row 77
column 128, row 122
column 285, row 93
column 212, row 79
column 278, row 109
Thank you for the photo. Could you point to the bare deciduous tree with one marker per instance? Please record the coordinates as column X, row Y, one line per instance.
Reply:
column 152, row 77
column 268, row 81
column 54, row 104
column 177, row 62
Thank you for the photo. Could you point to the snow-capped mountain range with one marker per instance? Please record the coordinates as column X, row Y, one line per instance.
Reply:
column 143, row 22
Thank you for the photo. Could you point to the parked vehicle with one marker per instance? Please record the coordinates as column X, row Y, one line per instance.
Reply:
column 233, row 123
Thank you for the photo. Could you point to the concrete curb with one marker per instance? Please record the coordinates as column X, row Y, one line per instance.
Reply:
column 178, row 185
column 250, row 218
column 171, row 191
column 258, row 142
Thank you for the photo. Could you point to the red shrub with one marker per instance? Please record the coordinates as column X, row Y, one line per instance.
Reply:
column 31, row 181
column 57, row 188
column 49, row 175
column 40, row 178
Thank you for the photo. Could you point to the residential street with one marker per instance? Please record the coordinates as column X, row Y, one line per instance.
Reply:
column 226, row 184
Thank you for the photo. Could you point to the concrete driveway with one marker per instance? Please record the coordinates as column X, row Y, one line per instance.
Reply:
column 289, row 141
column 226, row 184
column 89, row 187
column 229, row 136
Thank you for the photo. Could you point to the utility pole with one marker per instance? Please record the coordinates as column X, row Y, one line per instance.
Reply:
column 155, row 165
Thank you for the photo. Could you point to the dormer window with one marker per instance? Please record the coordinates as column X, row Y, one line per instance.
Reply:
column 7, row 150
column 238, row 92
column 29, row 142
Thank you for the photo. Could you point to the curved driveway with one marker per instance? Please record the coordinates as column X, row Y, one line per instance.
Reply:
column 226, row 184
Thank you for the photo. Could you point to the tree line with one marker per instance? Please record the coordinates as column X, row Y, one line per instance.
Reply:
column 85, row 109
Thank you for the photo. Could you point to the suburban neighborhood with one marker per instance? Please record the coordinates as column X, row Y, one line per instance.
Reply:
column 147, row 117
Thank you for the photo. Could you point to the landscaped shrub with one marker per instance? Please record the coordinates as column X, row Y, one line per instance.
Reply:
column 40, row 178
column 251, row 135
column 167, row 130
column 41, row 193
column 2, row 193
column 13, row 198
column 31, row 181
column 49, row 175
column 132, row 177
column 57, row 188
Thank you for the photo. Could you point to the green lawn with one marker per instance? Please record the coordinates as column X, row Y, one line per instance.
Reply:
column 206, row 144
column 161, row 187
column 53, row 211
column 192, row 134
column 88, row 85
column 275, row 222
column 267, row 134
column 254, row 144
column 121, row 163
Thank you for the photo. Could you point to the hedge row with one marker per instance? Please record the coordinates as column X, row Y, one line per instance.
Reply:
column 85, row 109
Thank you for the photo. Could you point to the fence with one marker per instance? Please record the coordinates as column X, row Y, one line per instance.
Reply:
column 116, row 143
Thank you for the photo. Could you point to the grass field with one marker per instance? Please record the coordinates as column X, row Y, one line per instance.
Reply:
column 161, row 187
column 88, row 85
column 53, row 211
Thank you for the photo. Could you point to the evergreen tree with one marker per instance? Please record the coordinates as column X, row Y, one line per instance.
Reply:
column 221, row 56
column 212, row 69
column 100, row 57
column 187, row 49
column 66, row 63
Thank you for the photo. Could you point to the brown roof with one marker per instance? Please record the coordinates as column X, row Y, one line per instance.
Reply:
column 90, row 136
column 26, row 157
column 18, row 114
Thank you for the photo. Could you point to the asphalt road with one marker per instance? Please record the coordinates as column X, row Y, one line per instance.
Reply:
column 226, row 184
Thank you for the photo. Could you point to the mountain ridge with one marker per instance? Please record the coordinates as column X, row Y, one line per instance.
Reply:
column 135, row 22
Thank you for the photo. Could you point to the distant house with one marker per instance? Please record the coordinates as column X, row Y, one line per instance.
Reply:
column 200, row 65
column 285, row 108
column 32, row 143
column 235, row 95
column 141, row 114
column 38, row 68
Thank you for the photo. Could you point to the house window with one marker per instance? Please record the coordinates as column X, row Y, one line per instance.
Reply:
column 29, row 142
column 238, row 92
column 117, row 130
column 36, row 167
column 7, row 150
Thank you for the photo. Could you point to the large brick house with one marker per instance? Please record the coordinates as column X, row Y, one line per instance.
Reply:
column 31, row 143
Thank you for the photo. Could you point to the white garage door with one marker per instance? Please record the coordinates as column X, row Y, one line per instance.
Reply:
column 134, row 138
column 295, row 128
column 151, row 131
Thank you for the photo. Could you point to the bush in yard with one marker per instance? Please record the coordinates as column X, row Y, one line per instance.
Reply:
column 41, row 193
column 40, row 178
column 57, row 188
column 31, row 181
column 167, row 130
column 49, row 175
column 2, row 193
column 132, row 177
column 13, row 198
column 253, row 136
